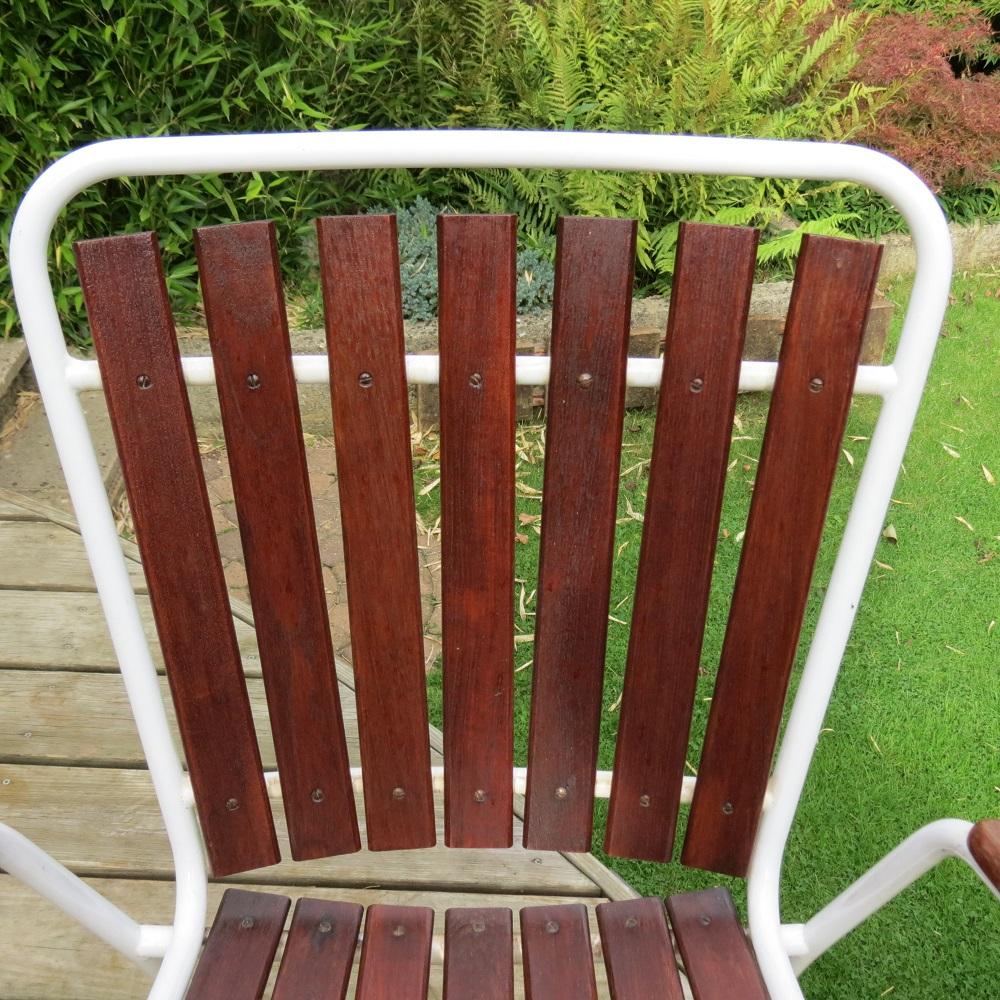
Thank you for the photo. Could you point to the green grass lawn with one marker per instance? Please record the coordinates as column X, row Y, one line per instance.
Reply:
column 913, row 732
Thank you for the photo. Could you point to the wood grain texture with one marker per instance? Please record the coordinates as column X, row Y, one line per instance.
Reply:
column 251, row 350
column 638, row 952
column 319, row 952
column 984, row 843
column 371, row 421
column 834, row 283
column 709, row 304
column 718, row 960
column 558, row 961
column 478, row 954
column 236, row 961
column 476, row 321
column 133, row 332
column 585, row 404
column 396, row 953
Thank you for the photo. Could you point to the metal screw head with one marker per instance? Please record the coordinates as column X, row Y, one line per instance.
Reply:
column 562, row 792
column 815, row 385
column 727, row 808
column 317, row 795
column 325, row 927
column 551, row 927
column 232, row 804
column 398, row 794
column 631, row 923
column 696, row 384
column 144, row 382
column 6, row 781
column 478, row 926
column 253, row 381
column 479, row 795
column 585, row 380
column 366, row 380
column 399, row 931
column 644, row 801
column 476, row 380
column 704, row 921
column 246, row 923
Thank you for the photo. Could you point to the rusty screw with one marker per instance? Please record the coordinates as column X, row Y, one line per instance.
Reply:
column 398, row 794
column 476, row 380
column 585, row 380
column 366, row 380
column 232, row 804
column 696, row 384
column 253, row 381
column 144, row 382
column 815, row 385
column 727, row 808
column 317, row 795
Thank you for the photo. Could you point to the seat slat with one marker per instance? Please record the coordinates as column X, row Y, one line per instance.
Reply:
column 586, row 395
column 558, row 961
column 705, row 333
column 478, row 954
column 248, row 331
column 834, row 283
column 364, row 328
column 396, row 953
column 236, row 961
column 476, row 275
column 319, row 952
column 638, row 953
column 718, row 960
column 134, row 335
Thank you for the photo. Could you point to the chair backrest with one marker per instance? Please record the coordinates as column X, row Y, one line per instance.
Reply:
column 144, row 382
column 144, row 379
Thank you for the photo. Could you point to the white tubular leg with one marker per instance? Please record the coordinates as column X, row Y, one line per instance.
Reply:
column 28, row 863
column 902, row 866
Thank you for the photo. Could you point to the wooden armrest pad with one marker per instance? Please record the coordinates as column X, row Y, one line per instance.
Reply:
column 984, row 844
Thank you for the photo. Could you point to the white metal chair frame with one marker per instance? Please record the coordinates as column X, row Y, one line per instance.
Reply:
column 783, row 950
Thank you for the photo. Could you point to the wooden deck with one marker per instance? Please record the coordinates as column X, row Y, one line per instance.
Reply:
column 72, row 778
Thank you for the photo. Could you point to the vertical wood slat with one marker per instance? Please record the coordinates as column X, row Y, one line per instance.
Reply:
column 638, row 953
column 236, row 961
column 834, row 283
column 371, row 423
column 558, row 960
column 396, row 953
column 248, row 331
column 319, row 952
column 476, row 275
column 137, row 351
column 478, row 954
column 709, row 304
column 586, row 396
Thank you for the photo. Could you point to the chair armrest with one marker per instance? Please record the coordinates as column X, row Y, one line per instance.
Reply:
column 984, row 846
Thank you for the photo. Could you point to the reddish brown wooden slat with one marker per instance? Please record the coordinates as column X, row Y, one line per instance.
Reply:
column 718, row 960
column 586, row 395
column 319, row 951
column 476, row 319
column 984, row 845
column 834, row 282
column 371, row 423
column 396, row 953
column 133, row 332
column 558, row 961
column 638, row 953
column 478, row 954
column 245, row 311
column 237, row 957
column 705, row 332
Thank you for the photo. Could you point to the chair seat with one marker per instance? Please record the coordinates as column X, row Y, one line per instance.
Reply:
column 478, row 950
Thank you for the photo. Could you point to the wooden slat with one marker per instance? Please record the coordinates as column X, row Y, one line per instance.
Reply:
column 984, row 845
column 237, row 958
column 705, row 332
column 477, row 319
column 245, row 313
column 371, row 424
column 478, row 954
column 319, row 951
column 133, row 332
column 638, row 953
column 834, row 283
column 396, row 953
column 586, row 395
column 718, row 960
column 558, row 962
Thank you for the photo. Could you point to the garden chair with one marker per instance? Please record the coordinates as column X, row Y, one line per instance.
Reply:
column 741, row 808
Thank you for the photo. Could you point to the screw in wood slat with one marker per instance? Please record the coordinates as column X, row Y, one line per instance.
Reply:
column 631, row 923
column 585, row 380
column 479, row 795
column 727, row 808
column 398, row 794
column 815, row 385
column 366, row 380
column 562, row 792
column 232, row 804
column 399, row 931
column 704, row 921
column 144, row 382
column 696, row 384
column 552, row 927
column 476, row 380
column 325, row 927
column 253, row 381
column 644, row 801
column 318, row 795
column 246, row 923
column 478, row 927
